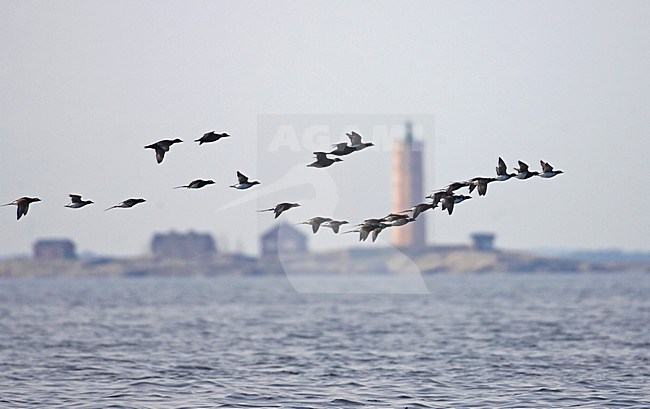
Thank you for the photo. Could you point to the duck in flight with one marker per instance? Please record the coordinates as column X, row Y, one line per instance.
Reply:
column 322, row 161
column 316, row 222
column 196, row 184
column 335, row 225
column 502, row 173
column 279, row 208
column 76, row 202
column 355, row 141
column 480, row 184
column 547, row 170
column 211, row 136
column 127, row 203
column 243, row 182
column 523, row 172
column 449, row 201
column 342, row 149
column 419, row 208
column 22, row 205
column 161, row 147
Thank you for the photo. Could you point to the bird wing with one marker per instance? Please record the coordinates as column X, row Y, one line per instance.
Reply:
column 501, row 168
column 482, row 187
column 241, row 177
column 160, row 154
column 522, row 167
column 23, row 207
column 75, row 198
column 355, row 138
column 546, row 167
column 320, row 156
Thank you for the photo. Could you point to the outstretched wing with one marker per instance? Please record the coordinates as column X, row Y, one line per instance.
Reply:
column 501, row 168
column 355, row 138
column 522, row 167
column 241, row 177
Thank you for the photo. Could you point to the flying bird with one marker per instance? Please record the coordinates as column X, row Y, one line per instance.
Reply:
column 316, row 222
column 76, row 202
column 243, row 182
column 211, row 136
column 523, row 172
column 196, row 184
column 419, row 208
column 279, row 208
column 23, row 205
column 355, row 141
column 127, row 203
column 449, row 201
column 335, row 225
column 342, row 149
column 161, row 147
column 502, row 173
column 322, row 161
column 437, row 196
column 547, row 170
column 480, row 184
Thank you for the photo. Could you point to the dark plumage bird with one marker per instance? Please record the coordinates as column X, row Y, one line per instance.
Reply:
column 322, row 161
column 335, row 225
column 392, row 217
column 127, row 203
column 480, row 184
column 161, row 147
column 196, row 184
column 365, row 229
column 502, row 172
column 402, row 221
column 355, row 141
column 316, row 222
column 211, row 136
column 243, row 182
column 279, row 208
column 450, row 188
column 523, row 172
column 419, row 208
column 342, row 149
column 76, row 202
column 23, row 205
column 449, row 201
column 547, row 170
column 437, row 196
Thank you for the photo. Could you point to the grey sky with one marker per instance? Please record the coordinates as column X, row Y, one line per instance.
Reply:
column 85, row 85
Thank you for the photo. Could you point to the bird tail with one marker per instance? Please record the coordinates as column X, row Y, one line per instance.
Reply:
column 8, row 204
column 266, row 210
column 112, row 207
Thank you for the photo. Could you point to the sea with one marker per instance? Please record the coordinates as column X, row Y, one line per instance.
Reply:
column 529, row 340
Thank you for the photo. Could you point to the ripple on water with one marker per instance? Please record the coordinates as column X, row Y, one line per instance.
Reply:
column 476, row 341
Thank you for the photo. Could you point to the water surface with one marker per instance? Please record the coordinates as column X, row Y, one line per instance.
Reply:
column 494, row 340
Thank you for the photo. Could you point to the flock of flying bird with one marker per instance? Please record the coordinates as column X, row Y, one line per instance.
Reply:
column 444, row 197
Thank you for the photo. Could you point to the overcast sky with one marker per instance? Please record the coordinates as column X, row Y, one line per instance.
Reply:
column 86, row 85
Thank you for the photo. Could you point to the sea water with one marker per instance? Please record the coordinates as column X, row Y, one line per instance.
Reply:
column 492, row 340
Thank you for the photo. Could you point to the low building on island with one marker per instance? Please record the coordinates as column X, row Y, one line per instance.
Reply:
column 54, row 249
column 183, row 246
column 283, row 239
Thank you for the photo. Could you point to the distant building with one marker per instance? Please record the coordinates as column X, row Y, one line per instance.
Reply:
column 283, row 238
column 483, row 241
column 56, row 249
column 183, row 246
column 407, row 182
